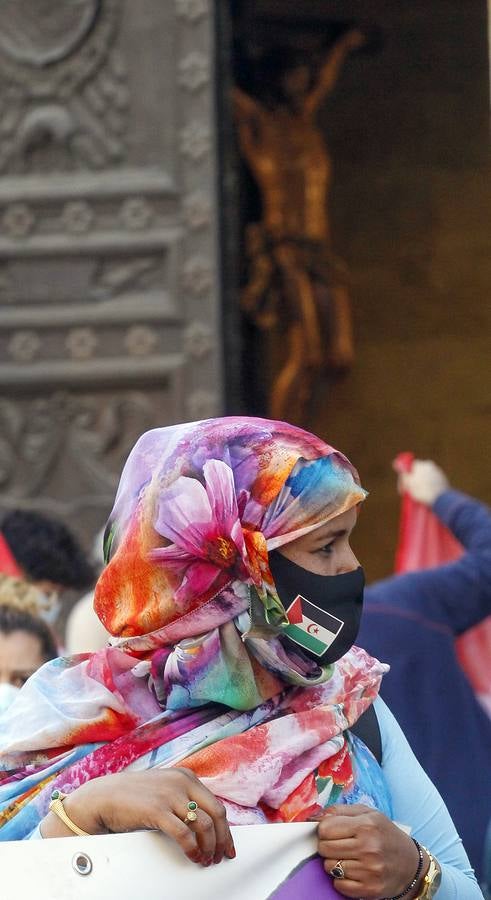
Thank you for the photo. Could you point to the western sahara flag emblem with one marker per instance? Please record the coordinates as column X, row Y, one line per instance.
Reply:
column 310, row 626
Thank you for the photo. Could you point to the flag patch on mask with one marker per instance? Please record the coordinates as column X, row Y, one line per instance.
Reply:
column 310, row 626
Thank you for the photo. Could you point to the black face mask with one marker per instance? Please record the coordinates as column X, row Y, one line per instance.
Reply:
column 324, row 610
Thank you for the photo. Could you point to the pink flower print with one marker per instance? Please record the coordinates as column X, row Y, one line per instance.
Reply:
column 208, row 549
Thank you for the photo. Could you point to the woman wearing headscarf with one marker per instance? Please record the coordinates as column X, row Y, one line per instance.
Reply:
column 232, row 691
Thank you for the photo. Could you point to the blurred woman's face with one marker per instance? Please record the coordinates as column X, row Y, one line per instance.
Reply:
column 327, row 549
column 20, row 656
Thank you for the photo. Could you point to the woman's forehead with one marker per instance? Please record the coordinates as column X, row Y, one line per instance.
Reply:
column 337, row 526
column 345, row 521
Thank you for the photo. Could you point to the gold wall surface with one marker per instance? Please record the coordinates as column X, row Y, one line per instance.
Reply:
column 411, row 202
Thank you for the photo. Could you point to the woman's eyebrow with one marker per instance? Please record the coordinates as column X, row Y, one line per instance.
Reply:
column 320, row 538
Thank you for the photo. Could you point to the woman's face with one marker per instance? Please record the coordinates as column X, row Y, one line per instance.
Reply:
column 21, row 654
column 326, row 550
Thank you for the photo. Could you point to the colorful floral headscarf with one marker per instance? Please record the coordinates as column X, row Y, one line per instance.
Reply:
column 197, row 672
column 197, row 510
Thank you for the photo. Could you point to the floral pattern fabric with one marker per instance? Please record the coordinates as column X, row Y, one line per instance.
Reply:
column 197, row 673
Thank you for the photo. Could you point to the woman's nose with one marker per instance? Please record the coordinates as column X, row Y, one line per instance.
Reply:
column 348, row 562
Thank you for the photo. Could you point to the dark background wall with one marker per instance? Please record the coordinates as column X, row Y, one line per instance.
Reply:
column 407, row 128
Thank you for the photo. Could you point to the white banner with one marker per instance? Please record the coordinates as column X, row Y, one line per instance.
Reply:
column 273, row 861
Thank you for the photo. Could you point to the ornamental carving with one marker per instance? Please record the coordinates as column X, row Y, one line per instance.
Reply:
column 63, row 42
column 197, row 276
column 24, row 346
column 110, row 247
column 18, row 220
column 136, row 213
column 140, row 340
column 77, row 217
column 115, row 276
column 192, row 10
column 91, row 437
column 197, row 210
column 198, row 340
column 195, row 140
column 194, row 71
column 64, row 99
column 81, row 343
column 43, row 32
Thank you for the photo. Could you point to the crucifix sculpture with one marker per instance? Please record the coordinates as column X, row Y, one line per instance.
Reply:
column 295, row 282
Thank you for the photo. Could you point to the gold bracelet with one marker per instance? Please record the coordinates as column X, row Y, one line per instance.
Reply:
column 432, row 879
column 56, row 806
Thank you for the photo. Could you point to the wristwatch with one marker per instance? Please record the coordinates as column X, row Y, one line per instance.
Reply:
column 432, row 879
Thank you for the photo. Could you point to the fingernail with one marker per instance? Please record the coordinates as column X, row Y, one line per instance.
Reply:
column 231, row 853
column 207, row 861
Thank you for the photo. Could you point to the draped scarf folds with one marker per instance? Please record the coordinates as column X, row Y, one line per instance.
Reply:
column 197, row 674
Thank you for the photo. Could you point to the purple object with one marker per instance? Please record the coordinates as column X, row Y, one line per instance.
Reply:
column 308, row 879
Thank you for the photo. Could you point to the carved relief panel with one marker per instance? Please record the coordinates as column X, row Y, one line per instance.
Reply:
column 108, row 283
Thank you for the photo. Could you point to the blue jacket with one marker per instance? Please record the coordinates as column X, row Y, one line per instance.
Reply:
column 411, row 622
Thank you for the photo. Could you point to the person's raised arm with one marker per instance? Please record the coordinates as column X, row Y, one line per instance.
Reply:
column 331, row 67
column 248, row 114
column 458, row 592
column 245, row 107
column 425, row 482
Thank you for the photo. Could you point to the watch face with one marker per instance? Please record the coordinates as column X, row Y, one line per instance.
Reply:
column 435, row 873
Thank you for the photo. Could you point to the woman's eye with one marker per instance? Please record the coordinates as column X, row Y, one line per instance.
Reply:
column 327, row 548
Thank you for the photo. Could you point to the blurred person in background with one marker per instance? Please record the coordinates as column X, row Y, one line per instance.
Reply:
column 26, row 641
column 84, row 630
column 47, row 555
column 411, row 621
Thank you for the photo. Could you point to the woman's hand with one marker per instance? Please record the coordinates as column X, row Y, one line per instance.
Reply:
column 155, row 799
column 378, row 858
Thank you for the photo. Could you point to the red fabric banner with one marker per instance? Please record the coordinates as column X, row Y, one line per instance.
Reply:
column 425, row 542
column 8, row 565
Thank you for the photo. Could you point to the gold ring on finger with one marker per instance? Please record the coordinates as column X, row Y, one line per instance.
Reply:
column 337, row 871
column 191, row 814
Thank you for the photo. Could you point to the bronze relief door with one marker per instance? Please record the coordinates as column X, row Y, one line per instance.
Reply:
column 108, row 255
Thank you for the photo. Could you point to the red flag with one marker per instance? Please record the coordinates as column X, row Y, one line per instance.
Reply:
column 425, row 542
column 8, row 564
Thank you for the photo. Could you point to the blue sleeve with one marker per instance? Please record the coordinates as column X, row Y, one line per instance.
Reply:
column 417, row 803
column 35, row 835
column 458, row 594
